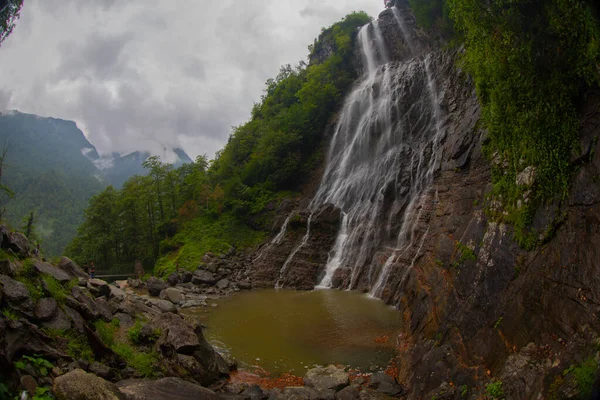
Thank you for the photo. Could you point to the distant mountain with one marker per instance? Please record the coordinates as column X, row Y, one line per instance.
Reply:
column 53, row 171
column 117, row 168
column 49, row 175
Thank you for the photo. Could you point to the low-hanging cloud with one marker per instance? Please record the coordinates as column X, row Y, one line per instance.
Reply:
column 148, row 74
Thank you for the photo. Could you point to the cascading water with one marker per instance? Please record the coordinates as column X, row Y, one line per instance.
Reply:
column 284, row 268
column 381, row 163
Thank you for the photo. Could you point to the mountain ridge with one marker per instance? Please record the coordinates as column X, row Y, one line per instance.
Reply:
column 53, row 170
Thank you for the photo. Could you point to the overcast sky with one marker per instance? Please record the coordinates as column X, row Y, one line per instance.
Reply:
column 145, row 74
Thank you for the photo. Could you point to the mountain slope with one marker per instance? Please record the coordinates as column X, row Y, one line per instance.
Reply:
column 49, row 175
column 54, row 170
column 118, row 168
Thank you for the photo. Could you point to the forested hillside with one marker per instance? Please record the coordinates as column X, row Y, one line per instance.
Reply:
column 52, row 171
column 177, row 215
column 50, row 177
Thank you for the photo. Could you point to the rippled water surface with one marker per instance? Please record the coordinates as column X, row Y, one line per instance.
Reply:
column 289, row 331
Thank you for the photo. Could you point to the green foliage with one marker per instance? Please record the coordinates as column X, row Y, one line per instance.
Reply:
column 208, row 234
column 585, row 376
column 433, row 14
column 106, row 332
column 530, row 60
column 9, row 314
column 144, row 363
column 133, row 334
column 498, row 322
column 41, row 366
column 466, row 254
column 34, row 287
column 464, row 391
column 495, row 390
column 55, row 289
column 43, row 393
column 78, row 346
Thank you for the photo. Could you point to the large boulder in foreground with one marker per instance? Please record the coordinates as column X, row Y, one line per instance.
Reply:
column 164, row 389
column 179, row 341
column 327, row 378
column 79, row 385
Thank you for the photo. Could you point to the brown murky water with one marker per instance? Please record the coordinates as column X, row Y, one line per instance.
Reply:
column 289, row 331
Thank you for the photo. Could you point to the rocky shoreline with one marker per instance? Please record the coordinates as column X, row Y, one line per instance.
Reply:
column 81, row 338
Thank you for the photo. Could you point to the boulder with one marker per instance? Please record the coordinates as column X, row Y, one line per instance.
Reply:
column 22, row 337
column 222, row 284
column 173, row 279
column 83, row 303
column 526, row 177
column 18, row 243
column 46, row 309
column 385, row 384
column 8, row 267
column 327, row 378
column 101, row 370
column 134, row 283
column 166, row 389
column 174, row 295
column 103, row 309
column 134, row 306
column 116, row 293
column 180, row 338
column 187, row 277
column 176, row 334
column 125, row 320
column 48, row 269
column 98, row 287
column 347, row 393
column 60, row 321
column 245, row 285
column 255, row 392
column 28, row 382
column 155, row 286
column 76, row 319
column 202, row 276
column 69, row 266
column 14, row 291
column 164, row 305
column 79, row 385
column 17, row 295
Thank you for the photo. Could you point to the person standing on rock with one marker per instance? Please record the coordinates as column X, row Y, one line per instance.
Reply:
column 92, row 270
column 388, row 3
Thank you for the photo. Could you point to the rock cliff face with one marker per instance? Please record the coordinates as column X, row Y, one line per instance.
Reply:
column 477, row 308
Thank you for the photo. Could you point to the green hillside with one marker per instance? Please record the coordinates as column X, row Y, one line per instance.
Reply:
column 49, row 175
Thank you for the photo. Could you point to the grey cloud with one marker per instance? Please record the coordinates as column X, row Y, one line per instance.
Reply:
column 195, row 68
column 97, row 57
column 148, row 74
column 5, row 96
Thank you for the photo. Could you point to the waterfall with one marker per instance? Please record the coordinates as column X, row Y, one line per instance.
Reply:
column 284, row 268
column 381, row 162
column 281, row 234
